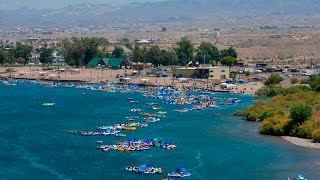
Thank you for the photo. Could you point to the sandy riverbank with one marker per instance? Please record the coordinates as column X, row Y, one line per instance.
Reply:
column 107, row 75
column 301, row 142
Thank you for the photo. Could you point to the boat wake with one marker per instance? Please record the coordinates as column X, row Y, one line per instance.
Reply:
column 199, row 165
column 34, row 161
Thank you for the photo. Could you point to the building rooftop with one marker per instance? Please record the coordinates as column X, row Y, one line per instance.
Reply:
column 212, row 67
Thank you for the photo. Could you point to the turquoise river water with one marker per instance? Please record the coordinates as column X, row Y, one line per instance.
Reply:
column 212, row 144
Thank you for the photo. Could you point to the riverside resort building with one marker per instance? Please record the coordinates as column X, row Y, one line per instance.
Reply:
column 212, row 73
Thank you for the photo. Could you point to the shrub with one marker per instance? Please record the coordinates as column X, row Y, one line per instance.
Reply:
column 271, row 91
column 274, row 125
column 247, row 73
column 233, row 75
column 266, row 127
column 266, row 114
column 305, row 130
column 316, row 135
column 304, row 81
column 294, row 81
column 300, row 113
column 257, row 112
column 273, row 79
column 9, row 70
column 314, row 82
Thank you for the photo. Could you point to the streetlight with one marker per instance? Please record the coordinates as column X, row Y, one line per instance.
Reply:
column 101, row 73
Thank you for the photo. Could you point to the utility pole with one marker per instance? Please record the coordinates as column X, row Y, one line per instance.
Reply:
column 208, row 81
column 91, row 73
column 173, row 75
column 101, row 73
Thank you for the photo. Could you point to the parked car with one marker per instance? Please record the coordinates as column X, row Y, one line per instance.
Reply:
column 134, row 73
column 164, row 75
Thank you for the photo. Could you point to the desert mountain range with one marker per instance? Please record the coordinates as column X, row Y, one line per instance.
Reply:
column 220, row 11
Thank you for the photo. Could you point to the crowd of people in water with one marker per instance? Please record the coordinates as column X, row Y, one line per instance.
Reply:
column 184, row 99
column 132, row 144
column 147, row 169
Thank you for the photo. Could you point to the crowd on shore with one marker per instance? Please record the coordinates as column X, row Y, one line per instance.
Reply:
column 90, row 76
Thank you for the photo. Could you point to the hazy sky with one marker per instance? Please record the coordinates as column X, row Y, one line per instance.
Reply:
column 40, row 4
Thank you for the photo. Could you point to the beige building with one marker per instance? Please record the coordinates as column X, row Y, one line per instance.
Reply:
column 219, row 72
column 214, row 73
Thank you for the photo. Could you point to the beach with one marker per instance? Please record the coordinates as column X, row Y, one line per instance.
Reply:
column 107, row 75
column 301, row 142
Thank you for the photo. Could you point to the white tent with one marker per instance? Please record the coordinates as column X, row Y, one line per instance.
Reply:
column 224, row 85
column 75, row 70
column 230, row 86
column 144, row 80
column 53, row 75
column 183, row 80
column 126, row 79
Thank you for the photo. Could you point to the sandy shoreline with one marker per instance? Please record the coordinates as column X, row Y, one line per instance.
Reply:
column 107, row 75
column 301, row 142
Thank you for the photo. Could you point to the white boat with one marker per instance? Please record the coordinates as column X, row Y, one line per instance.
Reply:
column 180, row 173
column 181, row 110
column 48, row 104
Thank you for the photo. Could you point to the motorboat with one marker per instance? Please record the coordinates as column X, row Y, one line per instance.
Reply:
column 133, row 101
column 156, row 108
column 180, row 173
column 181, row 110
column 135, row 110
column 48, row 104
column 142, row 148
column 152, row 119
column 144, row 169
column 119, row 135
column 299, row 177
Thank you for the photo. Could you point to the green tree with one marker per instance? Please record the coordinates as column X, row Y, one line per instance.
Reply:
column 229, row 61
column 273, row 79
column 207, row 52
column 79, row 51
column 102, row 54
column 118, row 52
column 168, row 57
column 2, row 57
column 9, row 56
column 126, row 42
column 137, row 54
column 23, row 51
column 316, row 136
column 314, row 82
column 103, row 41
column 185, row 51
column 46, row 55
column 154, row 55
column 229, row 52
column 144, row 52
column 300, row 113
column 90, row 46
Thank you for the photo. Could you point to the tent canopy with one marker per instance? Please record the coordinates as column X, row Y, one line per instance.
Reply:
column 143, row 167
column 182, row 170
column 108, row 62
column 144, row 80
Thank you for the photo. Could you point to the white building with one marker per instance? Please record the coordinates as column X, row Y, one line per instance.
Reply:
column 216, row 32
column 309, row 72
